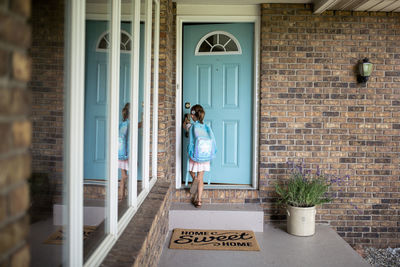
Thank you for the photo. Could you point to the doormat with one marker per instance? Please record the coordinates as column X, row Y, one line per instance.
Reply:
column 213, row 240
column 57, row 237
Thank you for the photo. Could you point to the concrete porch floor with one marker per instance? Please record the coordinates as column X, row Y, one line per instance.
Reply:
column 326, row 248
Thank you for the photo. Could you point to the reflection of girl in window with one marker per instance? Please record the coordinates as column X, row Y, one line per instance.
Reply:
column 123, row 149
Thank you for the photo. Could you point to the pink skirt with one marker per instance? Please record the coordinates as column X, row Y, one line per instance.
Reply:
column 123, row 164
column 199, row 166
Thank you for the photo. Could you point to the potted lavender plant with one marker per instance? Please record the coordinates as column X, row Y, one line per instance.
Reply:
column 300, row 195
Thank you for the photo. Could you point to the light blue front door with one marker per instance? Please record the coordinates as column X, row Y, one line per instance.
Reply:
column 96, row 87
column 223, row 85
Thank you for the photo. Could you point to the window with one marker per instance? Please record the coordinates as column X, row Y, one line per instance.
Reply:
column 113, row 79
column 104, row 42
column 218, row 43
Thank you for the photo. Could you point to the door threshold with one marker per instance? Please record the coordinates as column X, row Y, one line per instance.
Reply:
column 224, row 186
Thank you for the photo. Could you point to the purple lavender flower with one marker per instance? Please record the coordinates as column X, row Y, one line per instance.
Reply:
column 300, row 168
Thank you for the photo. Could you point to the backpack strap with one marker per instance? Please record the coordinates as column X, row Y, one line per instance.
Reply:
column 187, row 173
column 189, row 149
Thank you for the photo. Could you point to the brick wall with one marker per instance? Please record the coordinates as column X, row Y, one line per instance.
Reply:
column 166, row 107
column 47, row 54
column 312, row 108
column 15, row 132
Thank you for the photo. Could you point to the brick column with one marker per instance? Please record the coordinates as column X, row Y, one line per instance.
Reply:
column 166, row 132
column 15, row 132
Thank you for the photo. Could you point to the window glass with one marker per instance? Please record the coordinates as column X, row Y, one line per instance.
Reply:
column 212, row 40
column 218, row 48
column 125, row 107
column 204, row 47
column 231, row 46
column 140, row 151
column 218, row 42
column 96, row 125
column 223, row 39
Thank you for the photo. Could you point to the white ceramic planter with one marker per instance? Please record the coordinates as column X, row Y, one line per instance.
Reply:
column 300, row 221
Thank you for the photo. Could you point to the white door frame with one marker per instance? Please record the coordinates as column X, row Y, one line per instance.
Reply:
column 180, row 20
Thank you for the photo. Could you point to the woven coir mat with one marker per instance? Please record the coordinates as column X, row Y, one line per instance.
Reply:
column 213, row 240
column 57, row 238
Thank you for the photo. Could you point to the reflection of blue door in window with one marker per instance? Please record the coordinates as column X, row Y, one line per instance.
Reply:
column 218, row 74
column 96, row 86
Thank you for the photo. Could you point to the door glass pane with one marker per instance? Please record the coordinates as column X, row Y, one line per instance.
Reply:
column 124, row 106
column 96, row 125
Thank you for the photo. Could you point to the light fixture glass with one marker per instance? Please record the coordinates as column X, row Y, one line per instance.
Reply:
column 365, row 70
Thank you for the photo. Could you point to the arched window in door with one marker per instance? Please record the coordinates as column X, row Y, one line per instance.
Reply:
column 218, row 43
column 103, row 44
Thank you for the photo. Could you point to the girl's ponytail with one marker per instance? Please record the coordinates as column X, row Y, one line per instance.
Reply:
column 125, row 112
column 201, row 115
column 199, row 112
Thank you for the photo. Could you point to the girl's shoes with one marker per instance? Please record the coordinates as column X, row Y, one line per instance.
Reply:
column 197, row 204
column 193, row 192
column 194, row 198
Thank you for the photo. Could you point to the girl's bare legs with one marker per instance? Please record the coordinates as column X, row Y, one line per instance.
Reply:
column 193, row 174
column 200, row 187
column 193, row 190
column 121, row 193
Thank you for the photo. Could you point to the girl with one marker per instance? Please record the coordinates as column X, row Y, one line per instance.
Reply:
column 123, row 149
column 197, row 114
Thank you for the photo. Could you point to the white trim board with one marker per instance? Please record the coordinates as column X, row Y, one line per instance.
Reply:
column 180, row 20
column 241, row 2
column 217, row 10
column 101, row 10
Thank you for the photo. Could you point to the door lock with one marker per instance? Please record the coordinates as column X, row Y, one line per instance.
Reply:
column 187, row 105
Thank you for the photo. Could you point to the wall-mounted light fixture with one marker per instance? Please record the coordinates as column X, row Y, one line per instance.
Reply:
column 365, row 70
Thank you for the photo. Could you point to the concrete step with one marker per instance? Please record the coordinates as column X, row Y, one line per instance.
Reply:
column 217, row 217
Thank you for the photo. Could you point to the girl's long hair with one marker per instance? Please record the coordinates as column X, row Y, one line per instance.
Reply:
column 125, row 112
column 198, row 112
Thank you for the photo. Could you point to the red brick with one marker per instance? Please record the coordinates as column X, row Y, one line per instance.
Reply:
column 14, row 107
column 14, row 101
column 12, row 234
column 14, row 31
column 21, row 258
column 5, row 137
column 4, row 58
column 22, row 132
column 18, row 200
column 21, row 7
column 21, row 67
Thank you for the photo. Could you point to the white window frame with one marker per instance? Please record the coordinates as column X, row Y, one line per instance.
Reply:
column 106, row 50
column 204, row 39
column 226, row 14
column 74, row 124
column 156, row 57
column 73, row 132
